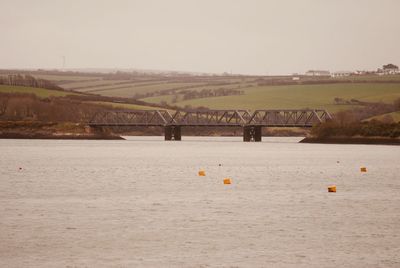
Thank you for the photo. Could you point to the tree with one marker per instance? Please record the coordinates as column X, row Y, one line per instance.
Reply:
column 390, row 66
column 4, row 103
column 338, row 100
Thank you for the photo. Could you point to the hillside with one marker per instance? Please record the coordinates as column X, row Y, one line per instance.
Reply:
column 31, row 112
column 232, row 92
column 84, row 98
column 40, row 92
column 227, row 91
column 295, row 96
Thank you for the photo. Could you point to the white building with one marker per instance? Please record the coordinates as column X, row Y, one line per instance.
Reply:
column 341, row 74
column 318, row 73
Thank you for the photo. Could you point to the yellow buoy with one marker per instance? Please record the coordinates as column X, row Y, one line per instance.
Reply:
column 227, row 181
column 332, row 189
column 202, row 173
column 363, row 169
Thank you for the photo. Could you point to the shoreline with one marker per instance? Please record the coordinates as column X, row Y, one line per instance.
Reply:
column 37, row 136
column 352, row 140
column 96, row 136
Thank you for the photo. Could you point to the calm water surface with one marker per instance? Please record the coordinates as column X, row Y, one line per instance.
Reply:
column 140, row 203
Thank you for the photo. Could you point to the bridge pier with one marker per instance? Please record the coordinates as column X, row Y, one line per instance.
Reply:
column 252, row 133
column 172, row 133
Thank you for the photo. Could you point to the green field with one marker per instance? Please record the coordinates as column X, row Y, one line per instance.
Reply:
column 131, row 90
column 296, row 96
column 158, row 99
column 124, row 105
column 66, row 78
column 143, row 84
column 89, row 85
column 371, row 78
column 40, row 92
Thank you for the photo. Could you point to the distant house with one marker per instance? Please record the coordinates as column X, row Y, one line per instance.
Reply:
column 358, row 72
column 388, row 69
column 318, row 73
column 341, row 74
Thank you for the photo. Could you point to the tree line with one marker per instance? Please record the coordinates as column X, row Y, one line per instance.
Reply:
column 27, row 81
column 206, row 93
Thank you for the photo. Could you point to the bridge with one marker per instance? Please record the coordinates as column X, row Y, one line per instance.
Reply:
column 251, row 122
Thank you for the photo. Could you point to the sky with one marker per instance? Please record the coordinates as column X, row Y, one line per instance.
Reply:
column 261, row 37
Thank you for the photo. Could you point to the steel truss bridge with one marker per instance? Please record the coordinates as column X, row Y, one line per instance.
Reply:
column 251, row 122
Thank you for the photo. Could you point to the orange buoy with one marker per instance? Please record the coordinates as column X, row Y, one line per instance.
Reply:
column 332, row 189
column 363, row 169
column 202, row 173
column 227, row 181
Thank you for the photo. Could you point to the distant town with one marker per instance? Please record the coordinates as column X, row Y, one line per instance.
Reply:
column 388, row 69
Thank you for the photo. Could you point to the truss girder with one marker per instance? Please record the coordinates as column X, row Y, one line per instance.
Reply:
column 277, row 118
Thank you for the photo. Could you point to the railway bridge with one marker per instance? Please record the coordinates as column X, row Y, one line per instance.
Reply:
column 251, row 122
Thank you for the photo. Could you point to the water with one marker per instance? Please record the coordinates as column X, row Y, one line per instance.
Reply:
column 140, row 203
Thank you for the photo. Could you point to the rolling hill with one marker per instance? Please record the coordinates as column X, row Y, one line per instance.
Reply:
column 295, row 96
column 256, row 92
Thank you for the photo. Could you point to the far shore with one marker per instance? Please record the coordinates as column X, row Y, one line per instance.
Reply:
column 76, row 136
column 58, row 137
column 353, row 140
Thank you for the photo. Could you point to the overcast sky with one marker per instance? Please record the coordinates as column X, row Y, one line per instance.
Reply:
column 239, row 36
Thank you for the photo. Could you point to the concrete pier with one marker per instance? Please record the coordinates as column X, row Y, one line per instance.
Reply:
column 252, row 133
column 172, row 133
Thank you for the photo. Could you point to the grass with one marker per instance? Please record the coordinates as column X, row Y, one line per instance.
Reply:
column 159, row 99
column 297, row 96
column 104, row 85
column 125, row 105
column 40, row 92
column 169, row 98
column 93, row 84
column 118, row 84
column 130, row 91
column 237, row 86
column 143, row 85
column 371, row 78
column 58, row 78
